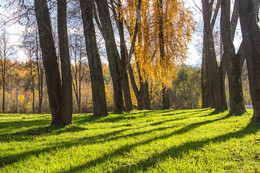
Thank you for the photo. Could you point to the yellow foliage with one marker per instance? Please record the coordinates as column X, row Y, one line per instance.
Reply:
column 176, row 27
column 21, row 98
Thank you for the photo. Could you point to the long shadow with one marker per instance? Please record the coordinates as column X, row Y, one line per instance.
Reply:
column 185, row 129
column 128, row 148
column 131, row 116
column 94, row 139
column 86, row 140
column 7, row 160
column 40, row 131
column 55, row 130
column 27, row 123
column 178, row 151
column 215, row 112
column 104, row 137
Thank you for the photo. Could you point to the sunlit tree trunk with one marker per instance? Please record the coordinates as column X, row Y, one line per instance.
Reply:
column 233, row 64
column 251, row 36
column 215, row 77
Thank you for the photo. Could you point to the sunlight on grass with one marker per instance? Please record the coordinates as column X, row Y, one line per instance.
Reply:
column 200, row 140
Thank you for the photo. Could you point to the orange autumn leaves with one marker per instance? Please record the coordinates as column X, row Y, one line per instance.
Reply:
column 176, row 26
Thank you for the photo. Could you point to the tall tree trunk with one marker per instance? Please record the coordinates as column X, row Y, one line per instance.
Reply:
column 251, row 36
column 206, row 83
column 66, row 110
column 233, row 64
column 112, row 53
column 166, row 100
column 216, row 75
column 123, row 50
column 97, row 81
column 32, row 82
column 49, row 59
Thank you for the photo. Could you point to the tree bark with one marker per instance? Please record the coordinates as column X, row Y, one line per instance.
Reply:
column 138, row 93
column 206, row 83
column 123, row 51
column 166, row 100
column 112, row 53
column 216, row 75
column 233, row 65
column 97, row 81
column 66, row 110
column 251, row 36
column 49, row 59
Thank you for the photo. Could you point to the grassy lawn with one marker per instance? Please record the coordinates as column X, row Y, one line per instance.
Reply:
column 140, row 141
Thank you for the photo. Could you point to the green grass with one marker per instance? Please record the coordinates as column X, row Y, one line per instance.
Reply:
column 201, row 140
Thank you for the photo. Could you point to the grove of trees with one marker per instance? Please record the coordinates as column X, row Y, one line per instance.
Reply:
column 106, row 55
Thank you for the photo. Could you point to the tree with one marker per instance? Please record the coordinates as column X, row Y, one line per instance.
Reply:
column 123, row 54
column 251, row 36
column 50, row 62
column 5, row 52
column 141, row 94
column 97, row 80
column 233, row 62
column 212, row 74
column 66, row 109
column 112, row 53
column 165, row 29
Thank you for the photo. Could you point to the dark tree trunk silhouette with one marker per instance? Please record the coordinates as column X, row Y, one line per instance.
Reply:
column 123, row 51
column 215, row 76
column 97, row 81
column 112, row 53
column 206, row 82
column 233, row 64
column 251, row 36
column 66, row 110
column 49, row 59
column 166, row 100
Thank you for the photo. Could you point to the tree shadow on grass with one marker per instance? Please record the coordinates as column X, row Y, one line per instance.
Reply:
column 128, row 148
column 39, row 131
column 105, row 137
column 22, row 124
column 132, row 116
column 215, row 112
column 176, row 152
